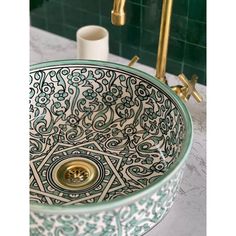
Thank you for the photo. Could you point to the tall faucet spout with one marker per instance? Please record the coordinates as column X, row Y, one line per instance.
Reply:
column 164, row 40
column 118, row 13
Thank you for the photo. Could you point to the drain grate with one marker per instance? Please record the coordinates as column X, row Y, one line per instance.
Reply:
column 75, row 173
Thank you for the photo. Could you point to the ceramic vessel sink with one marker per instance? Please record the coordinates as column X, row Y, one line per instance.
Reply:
column 108, row 145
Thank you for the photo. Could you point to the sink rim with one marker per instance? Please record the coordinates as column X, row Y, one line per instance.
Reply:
column 108, row 205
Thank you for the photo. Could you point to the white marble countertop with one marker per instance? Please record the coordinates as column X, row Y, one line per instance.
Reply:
column 188, row 214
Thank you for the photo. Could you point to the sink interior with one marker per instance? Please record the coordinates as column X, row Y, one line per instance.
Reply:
column 98, row 132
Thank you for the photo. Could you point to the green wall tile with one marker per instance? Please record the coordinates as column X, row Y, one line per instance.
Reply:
column 196, row 32
column 152, row 3
column 195, row 56
column 147, row 58
column 72, row 16
column 69, row 32
column 115, row 47
column 128, row 51
column 130, row 35
column 187, row 44
column 136, row 1
column 176, row 49
column 180, row 7
column 133, row 13
column 37, row 6
column 90, row 5
column 173, row 67
column 55, row 28
column 77, row 18
column 149, row 41
column 197, row 10
column 178, row 27
column 73, row 3
column 38, row 21
column 54, row 12
column 189, row 71
column 106, row 7
column 74, row 20
column 151, row 17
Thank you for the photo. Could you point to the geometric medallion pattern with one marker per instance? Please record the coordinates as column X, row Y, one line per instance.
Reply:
column 44, row 190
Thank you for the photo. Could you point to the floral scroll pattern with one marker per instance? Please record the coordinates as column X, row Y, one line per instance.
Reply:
column 123, row 115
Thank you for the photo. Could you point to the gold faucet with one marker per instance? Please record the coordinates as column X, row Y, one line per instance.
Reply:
column 188, row 88
column 118, row 13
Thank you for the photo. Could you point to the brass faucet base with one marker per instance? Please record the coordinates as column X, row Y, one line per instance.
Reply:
column 178, row 89
column 163, row 80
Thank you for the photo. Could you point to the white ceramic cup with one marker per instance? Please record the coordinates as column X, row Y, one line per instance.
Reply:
column 92, row 43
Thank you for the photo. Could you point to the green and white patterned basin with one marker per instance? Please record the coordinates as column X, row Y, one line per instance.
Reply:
column 133, row 128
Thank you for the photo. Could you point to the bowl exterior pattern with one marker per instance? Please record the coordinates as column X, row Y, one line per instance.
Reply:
column 134, row 219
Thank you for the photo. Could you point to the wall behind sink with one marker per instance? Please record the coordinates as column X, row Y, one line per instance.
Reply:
column 187, row 46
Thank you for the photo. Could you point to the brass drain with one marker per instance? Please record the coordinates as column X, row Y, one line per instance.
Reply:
column 75, row 173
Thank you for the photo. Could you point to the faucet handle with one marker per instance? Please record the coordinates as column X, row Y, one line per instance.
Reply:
column 133, row 60
column 187, row 89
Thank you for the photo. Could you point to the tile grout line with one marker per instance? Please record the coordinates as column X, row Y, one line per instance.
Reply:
column 182, row 67
column 141, row 29
column 63, row 17
column 100, row 12
column 45, row 15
